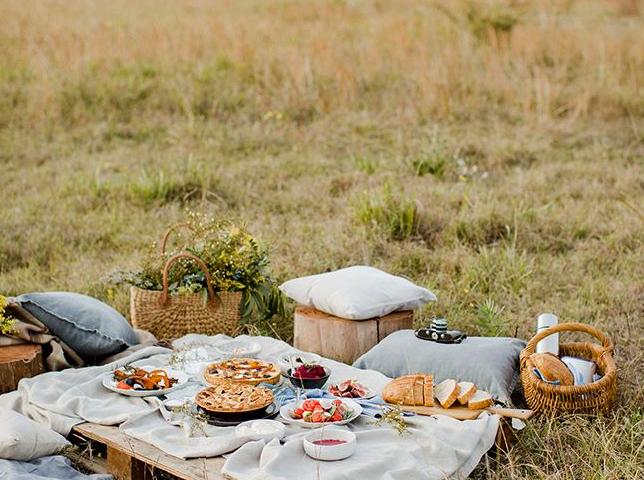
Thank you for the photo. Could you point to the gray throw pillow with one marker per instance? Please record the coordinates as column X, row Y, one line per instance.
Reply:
column 492, row 363
column 90, row 327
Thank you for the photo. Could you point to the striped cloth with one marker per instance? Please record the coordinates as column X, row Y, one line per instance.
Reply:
column 286, row 393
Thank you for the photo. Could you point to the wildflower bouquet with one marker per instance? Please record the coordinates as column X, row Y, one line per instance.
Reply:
column 7, row 323
column 236, row 261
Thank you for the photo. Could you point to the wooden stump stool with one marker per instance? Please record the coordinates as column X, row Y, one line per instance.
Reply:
column 341, row 339
column 17, row 362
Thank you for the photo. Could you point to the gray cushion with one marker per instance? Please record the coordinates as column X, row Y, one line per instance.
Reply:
column 492, row 363
column 90, row 327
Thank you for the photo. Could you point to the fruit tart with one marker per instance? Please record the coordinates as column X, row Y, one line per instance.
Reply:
column 232, row 397
column 243, row 370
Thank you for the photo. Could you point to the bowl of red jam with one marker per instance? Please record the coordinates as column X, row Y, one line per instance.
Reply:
column 330, row 444
column 308, row 376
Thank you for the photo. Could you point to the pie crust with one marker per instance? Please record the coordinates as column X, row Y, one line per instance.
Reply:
column 242, row 370
column 231, row 397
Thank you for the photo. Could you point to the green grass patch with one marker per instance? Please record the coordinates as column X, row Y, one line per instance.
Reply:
column 396, row 216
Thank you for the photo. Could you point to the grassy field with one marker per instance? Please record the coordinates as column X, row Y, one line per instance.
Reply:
column 491, row 151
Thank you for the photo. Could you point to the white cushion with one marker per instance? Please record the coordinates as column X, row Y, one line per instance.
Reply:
column 357, row 293
column 24, row 439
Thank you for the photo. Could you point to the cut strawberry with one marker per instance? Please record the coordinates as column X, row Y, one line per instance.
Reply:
column 309, row 405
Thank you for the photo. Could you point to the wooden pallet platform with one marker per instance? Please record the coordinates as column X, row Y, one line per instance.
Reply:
column 130, row 459
column 108, row 450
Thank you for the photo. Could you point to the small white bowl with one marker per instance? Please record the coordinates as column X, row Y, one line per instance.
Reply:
column 285, row 364
column 173, row 405
column 239, row 349
column 330, row 452
column 261, row 430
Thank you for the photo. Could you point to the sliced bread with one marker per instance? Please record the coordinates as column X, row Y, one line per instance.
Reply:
column 447, row 392
column 412, row 390
column 428, row 391
column 467, row 391
column 402, row 390
column 480, row 400
column 418, row 390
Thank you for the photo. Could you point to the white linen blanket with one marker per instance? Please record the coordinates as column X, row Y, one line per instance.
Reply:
column 435, row 447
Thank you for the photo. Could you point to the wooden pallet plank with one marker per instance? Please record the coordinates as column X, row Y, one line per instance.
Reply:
column 121, row 445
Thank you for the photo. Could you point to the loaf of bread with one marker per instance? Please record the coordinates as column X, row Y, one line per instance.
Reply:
column 552, row 369
column 413, row 390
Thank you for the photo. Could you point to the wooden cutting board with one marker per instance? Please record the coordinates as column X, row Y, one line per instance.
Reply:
column 463, row 413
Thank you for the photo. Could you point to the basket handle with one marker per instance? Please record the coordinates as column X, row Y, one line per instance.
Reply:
column 212, row 296
column 172, row 228
column 570, row 327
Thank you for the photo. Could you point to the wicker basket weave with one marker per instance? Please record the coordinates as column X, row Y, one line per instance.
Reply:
column 172, row 316
column 592, row 398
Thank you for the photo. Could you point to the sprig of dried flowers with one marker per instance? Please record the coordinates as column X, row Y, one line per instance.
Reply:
column 393, row 415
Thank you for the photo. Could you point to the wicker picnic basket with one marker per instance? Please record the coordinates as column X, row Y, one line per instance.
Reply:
column 592, row 398
column 172, row 316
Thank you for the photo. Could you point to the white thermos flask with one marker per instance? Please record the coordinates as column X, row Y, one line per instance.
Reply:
column 551, row 343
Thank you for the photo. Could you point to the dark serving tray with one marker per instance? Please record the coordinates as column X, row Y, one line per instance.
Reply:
column 233, row 419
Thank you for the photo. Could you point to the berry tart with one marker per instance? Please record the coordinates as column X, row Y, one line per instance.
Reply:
column 231, row 397
column 243, row 370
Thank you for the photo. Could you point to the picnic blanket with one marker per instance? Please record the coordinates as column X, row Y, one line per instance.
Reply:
column 435, row 447
column 55, row 467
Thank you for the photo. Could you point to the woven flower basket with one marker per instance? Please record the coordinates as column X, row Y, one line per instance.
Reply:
column 172, row 316
column 592, row 398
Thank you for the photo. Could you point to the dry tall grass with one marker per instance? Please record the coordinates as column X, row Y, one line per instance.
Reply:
column 535, row 61
column 490, row 150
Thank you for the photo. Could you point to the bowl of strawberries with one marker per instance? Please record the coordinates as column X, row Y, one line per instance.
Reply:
column 308, row 376
column 318, row 412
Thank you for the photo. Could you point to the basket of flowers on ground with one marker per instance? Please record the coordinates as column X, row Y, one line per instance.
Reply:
column 214, row 282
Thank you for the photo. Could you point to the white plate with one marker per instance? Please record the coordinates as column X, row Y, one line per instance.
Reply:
column 370, row 394
column 285, row 413
column 273, row 429
column 110, row 383
column 239, row 349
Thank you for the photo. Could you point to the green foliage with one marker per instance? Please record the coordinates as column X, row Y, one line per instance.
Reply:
column 432, row 163
column 485, row 19
column 490, row 320
column 432, row 160
column 6, row 322
column 483, row 230
column 365, row 164
column 116, row 94
column 160, row 187
column 395, row 215
column 500, row 271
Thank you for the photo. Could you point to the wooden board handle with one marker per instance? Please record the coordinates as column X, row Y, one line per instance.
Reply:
column 464, row 413
column 511, row 412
